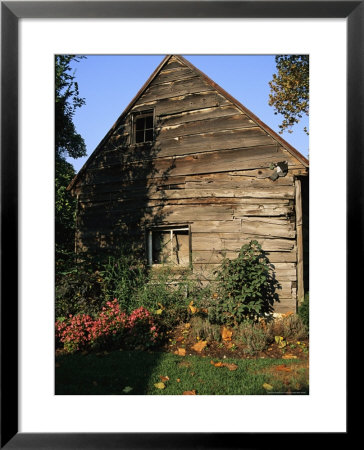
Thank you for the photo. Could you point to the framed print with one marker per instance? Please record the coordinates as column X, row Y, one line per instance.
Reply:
column 26, row 194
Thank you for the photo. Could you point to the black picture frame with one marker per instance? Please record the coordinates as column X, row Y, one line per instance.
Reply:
column 11, row 12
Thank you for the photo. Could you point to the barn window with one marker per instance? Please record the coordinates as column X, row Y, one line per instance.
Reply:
column 169, row 246
column 143, row 126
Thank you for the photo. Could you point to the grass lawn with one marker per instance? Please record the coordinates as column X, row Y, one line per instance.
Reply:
column 136, row 373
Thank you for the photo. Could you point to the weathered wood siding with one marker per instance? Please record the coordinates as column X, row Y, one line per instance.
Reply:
column 209, row 167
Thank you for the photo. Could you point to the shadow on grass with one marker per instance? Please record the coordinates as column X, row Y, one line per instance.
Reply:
column 136, row 373
column 104, row 373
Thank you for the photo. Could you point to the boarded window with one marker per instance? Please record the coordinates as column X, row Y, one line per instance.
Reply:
column 169, row 246
column 143, row 127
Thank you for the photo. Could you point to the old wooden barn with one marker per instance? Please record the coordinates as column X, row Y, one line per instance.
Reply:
column 189, row 174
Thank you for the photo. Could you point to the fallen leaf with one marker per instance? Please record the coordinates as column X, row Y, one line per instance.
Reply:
column 180, row 339
column 283, row 368
column 187, row 325
column 159, row 311
column 231, row 366
column 218, row 364
column 267, row 387
column 192, row 308
column 226, row 334
column 127, row 389
column 180, row 352
column 280, row 341
column 159, row 385
column 289, row 356
column 199, row 346
column 193, row 392
column 166, row 378
column 178, row 380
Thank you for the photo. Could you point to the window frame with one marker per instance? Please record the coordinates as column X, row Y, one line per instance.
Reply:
column 171, row 229
column 141, row 115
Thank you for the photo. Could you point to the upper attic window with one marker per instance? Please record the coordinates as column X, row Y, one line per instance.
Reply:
column 143, row 126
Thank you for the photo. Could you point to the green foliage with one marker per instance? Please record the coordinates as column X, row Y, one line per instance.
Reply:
column 203, row 329
column 123, row 277
column 65, row 210
column 68, row 142
column 246, row 287
column 254, row 337
column 303, row 311
column 294, row 328
column 166, row 296
column 79, row 292
column 289, row 93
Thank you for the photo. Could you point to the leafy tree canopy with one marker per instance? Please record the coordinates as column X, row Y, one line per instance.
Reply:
column 289, row 93
column 67, row 141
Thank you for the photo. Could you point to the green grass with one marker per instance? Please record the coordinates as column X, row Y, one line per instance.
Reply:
column 111, row 373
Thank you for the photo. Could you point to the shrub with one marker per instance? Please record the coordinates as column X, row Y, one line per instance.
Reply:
column 293, row 327
column 79, row 292
column 141, row 329
column 303, row 311
column 254, row 336
column 289, row 327
column 110, row 328
column 123, row 277
column 203, row 329
column 246, row 287
column 166, row 294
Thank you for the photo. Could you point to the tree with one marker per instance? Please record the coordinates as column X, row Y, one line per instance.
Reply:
column 289, row 93
column 68, row 143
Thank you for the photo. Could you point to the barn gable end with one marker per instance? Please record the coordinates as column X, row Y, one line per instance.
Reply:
column 212, row 171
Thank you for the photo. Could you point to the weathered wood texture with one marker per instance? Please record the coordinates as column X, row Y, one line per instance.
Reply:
column 209, row 167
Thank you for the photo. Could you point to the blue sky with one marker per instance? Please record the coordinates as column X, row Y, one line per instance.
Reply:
column 109, row 82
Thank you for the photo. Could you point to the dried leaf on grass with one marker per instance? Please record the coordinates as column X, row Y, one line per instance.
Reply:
column 192, row 308
column 127, row 389
column 193, row 392
column 199, row 346
column 221, row 364
column 283, row 368
column 166, row 378
column 289, row 356
column 159, row 385
column 267, row 387
column 180, row 352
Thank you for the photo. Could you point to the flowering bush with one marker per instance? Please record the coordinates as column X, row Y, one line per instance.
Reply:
column 110, row 327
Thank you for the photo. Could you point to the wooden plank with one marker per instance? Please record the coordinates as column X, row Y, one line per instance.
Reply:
column 277, row 192
column 262, row 209
column 158, row 92
column 173, row 74
column 174, row 63
column 212, row 141
column 300, row 285
column 209, row 241
column 259, row 157
column 215, row 257
column 224, row 181
column 183, row 103
column 229, row 226
column 204, row 126
column 185, row 117
column 285, row 305
column 267, row 230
